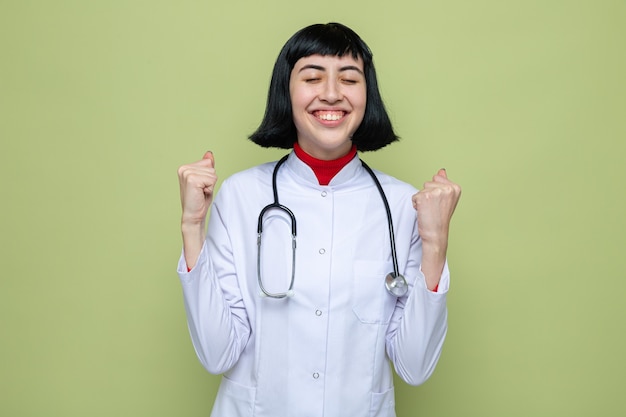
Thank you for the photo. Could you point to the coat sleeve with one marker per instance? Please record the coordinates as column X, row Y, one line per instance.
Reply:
column 216, row 316
column 419, row 324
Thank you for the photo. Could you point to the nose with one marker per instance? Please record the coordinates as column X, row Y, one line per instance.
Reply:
column 331, row 92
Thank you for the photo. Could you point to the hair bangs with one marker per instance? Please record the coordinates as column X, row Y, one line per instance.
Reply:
column 326, row 39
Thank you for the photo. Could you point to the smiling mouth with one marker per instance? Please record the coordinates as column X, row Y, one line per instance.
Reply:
column 331, row 116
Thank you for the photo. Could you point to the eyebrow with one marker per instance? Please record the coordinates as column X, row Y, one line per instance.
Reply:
column 320, row 68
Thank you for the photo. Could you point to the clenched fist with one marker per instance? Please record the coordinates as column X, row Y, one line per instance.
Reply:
column 435, row 204
column 197, row 183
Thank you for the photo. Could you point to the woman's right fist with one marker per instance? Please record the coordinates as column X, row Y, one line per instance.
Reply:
column 197, row 182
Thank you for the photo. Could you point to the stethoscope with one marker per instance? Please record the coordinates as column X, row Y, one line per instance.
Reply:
column 394, row 282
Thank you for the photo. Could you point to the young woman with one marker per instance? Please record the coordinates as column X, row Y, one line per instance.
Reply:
column 316, row 273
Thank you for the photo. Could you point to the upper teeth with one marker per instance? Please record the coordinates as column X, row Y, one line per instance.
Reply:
column 330, row 116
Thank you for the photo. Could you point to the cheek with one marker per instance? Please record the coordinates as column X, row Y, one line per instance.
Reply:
column 301, row 97
column 297, row 101
column 361, row 106
column 359, row 100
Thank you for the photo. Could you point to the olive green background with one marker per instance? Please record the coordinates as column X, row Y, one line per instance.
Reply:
column 524, row 103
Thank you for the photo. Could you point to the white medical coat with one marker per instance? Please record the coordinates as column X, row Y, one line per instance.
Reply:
column 326, row 351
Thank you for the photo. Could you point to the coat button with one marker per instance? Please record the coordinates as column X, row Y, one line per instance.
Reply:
column 318, row 312
column 324, row 194
column 322, row 251
column 316, row 375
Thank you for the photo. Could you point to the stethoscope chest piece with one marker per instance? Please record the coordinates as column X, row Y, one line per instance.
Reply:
column 396, row 284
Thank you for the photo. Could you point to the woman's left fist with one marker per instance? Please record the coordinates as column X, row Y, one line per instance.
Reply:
column 435, row 204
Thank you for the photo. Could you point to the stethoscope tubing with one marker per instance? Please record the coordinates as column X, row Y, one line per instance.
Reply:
column 396, row 284
column 392, row 239
column 278, row 206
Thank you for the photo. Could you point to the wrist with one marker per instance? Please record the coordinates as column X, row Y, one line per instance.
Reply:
column 435, row 246
column 192, row 221
column 193, row 232
column 192, row 224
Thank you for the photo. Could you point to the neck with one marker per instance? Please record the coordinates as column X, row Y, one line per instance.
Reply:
column 324, row 170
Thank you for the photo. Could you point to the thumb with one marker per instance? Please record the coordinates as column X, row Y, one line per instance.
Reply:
column 209, row 155
column 442, row 173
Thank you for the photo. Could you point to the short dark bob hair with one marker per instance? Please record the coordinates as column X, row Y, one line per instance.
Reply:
column 277, row 129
